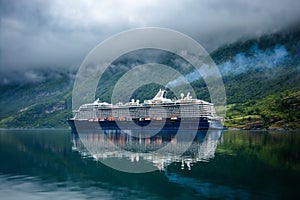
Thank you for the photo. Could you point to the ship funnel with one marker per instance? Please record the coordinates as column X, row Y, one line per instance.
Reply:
column 160, row 95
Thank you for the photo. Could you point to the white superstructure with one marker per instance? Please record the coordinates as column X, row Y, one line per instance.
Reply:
column 153, row 109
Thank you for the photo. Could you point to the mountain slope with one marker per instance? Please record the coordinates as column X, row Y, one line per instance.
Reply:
column 261, row 78
column 37, row 104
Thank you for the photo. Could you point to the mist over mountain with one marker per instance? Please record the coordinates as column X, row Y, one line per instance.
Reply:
column 54, row 34
column 258, row 60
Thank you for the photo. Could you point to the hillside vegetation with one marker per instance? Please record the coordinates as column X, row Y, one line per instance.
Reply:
column 261, row 79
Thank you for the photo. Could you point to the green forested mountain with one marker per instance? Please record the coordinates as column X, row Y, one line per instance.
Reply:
column 267, row 93
column 37, row 104
column 261, row 78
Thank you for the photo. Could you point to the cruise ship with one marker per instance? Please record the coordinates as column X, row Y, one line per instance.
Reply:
column 158, row 113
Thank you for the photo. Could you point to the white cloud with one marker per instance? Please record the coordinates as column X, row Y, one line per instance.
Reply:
column 37, row 33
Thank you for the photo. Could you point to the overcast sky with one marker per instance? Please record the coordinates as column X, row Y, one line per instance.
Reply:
column 60, row 33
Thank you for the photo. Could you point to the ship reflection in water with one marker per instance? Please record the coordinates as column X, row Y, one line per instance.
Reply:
column 157, row 151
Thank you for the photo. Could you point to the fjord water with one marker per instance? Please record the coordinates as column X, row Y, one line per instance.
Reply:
column 44, row 164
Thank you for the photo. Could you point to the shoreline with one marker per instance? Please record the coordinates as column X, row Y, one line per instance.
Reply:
column 225, row 129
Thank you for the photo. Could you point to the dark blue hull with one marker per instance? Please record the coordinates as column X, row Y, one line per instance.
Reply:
column 167, row 124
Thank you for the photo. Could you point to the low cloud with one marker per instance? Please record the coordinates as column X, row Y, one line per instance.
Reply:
column 258, row 60
column 38, row 34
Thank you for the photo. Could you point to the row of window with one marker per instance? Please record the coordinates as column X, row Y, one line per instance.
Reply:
column 183, row 111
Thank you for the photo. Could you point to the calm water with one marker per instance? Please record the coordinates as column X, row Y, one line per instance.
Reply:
column 45, row 164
